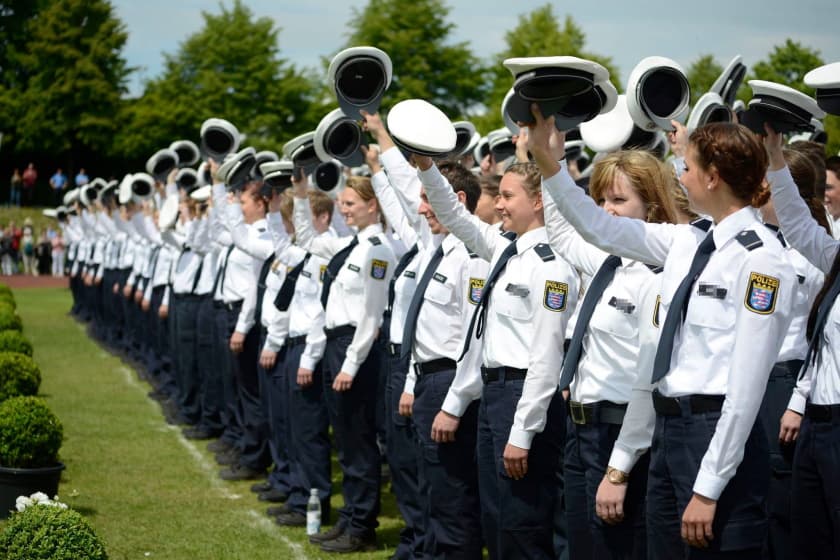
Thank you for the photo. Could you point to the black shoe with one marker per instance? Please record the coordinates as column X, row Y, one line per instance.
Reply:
column 337, row 530
column 348, row 542
column 274, row 511
column 239, row 472
column 273, row 495
column 230, row 457
column 219, row 446
column 198, row 433
column 292, row 519
column 260, row 487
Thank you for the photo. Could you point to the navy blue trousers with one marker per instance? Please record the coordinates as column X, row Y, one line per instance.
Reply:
column 588, row 449
column 230, row 414
column 517, row 516
column 275, row 403
column 448, row 477
column 816, row 490
column 308, row 431
column 740, row 524
column 401, row 451
column 186, row 355
column 353, row 417
column 211, row 398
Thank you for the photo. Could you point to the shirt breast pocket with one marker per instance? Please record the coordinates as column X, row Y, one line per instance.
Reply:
column 350, row 278
column 519, row 308
column 710, row 313
column 440, row 293
column 614, row 321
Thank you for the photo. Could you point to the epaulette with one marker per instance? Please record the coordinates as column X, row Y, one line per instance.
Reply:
column 656, row 269
column 702, row 223
column 749, row 239
column 473, row 255
column 544, row 251
column 261, row 230
column 375, row 240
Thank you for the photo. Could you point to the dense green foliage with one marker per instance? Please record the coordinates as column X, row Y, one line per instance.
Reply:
column 19, row 374
column 9, row 320
column 48, row 532
column 30, row 434
column 14, row 342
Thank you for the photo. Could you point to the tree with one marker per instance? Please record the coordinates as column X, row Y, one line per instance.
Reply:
column 701, row 75
column 415, row 34
column 787, row 64
column 538, row 33
column 230, row 69
column 64, row 90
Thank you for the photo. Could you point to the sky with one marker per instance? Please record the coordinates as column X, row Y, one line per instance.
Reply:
column 627, row 30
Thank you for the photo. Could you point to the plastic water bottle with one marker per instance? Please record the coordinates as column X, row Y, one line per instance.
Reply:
column 313, row 513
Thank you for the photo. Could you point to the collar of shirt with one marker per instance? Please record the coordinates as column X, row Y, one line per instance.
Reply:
column 370, row 231
column 732, row 225
column 529, row 239
column 261, row 223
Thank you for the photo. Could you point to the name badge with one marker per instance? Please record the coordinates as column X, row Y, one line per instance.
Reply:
column 622, row 305
column 353, row 267
column 439, row 277
column 409, row 274
column 306, row 274
column 711, row 290
column 519, row 290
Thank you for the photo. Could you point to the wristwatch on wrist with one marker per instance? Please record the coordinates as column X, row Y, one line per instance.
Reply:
column 616, row 476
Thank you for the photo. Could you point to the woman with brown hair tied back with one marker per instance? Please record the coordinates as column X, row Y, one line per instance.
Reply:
column 727, row 296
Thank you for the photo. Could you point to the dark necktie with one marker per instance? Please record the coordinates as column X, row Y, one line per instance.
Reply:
column 261, row 287
column 594, row 292
column 676, row 311
column 333, row 267
column 401, row 266
column 819, row 325
column 481, row 309
column 220, row 274
column 287, row 290
column 417, row 302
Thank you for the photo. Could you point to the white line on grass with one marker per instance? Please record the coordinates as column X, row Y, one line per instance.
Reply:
column 209, row 470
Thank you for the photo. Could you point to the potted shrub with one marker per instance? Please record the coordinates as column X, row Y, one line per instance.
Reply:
column 19, row 374
column 48, row 530
column 9, row 320
column 30, row 437
column 14, row 341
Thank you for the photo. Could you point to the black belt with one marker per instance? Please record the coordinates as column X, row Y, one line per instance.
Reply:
column 601, row 412
column 232, row 306
column 823, row 412
column 489, row 375
column 434, row 366
column 670, row 406
column 295, row 340
column 393, row 349
column 343, row 330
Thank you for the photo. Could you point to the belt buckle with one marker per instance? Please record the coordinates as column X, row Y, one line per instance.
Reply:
column 577, row 413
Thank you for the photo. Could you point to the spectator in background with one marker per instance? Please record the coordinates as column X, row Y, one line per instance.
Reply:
column 43, row 255
column 27, row 247
column 57, row 254
column 30, row 177
column 58, row 182
column 7, row 263
column 15, row 233
column 81, row 177
column 15, row 186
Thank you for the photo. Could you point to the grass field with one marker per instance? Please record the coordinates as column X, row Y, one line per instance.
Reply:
column 149, row 492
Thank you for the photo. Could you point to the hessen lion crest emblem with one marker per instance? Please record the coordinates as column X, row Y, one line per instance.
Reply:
column 554, row 297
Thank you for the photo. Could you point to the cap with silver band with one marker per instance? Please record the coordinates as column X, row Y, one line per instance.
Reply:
column 301, row 151
column 339, row 137
column 236, row 169
column 187, row 151
column 657, row 93
column 419, row 127
column 329, row 177
column 161, row 164
column 219, row 138
column 783, row 108
column 360, row 76
column 826, row 81
column 710, row 108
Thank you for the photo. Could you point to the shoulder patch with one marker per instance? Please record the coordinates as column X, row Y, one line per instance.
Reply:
column 702, row 223
column 761, row 293
column 749, row 239
column 655, row 269
column 555, row 294
column 544, row 251
column 476, row 287
column 378, row 269
column 656, row 311
column 374, row 240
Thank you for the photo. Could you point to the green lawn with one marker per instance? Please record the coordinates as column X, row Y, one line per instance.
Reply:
column 148, row 491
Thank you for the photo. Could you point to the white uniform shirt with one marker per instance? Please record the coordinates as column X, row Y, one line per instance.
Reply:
column 821, row 383
column 736, row 319
column 528, row 310
column 359, row 293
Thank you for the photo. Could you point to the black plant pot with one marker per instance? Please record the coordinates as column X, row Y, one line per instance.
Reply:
column 25, row 482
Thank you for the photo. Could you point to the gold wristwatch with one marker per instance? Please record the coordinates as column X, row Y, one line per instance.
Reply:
column 616, row 476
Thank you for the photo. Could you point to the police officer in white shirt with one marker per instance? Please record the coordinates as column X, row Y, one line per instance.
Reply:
column 603, row 358
column 815, row 494
column 355, row 293
column 521, row 320
column 729, row 293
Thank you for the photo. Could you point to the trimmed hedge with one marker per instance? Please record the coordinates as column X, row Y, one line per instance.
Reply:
column 30, row 434
column 19, row 375
column 14, row 341
column 9, row 320
column 49, row 532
